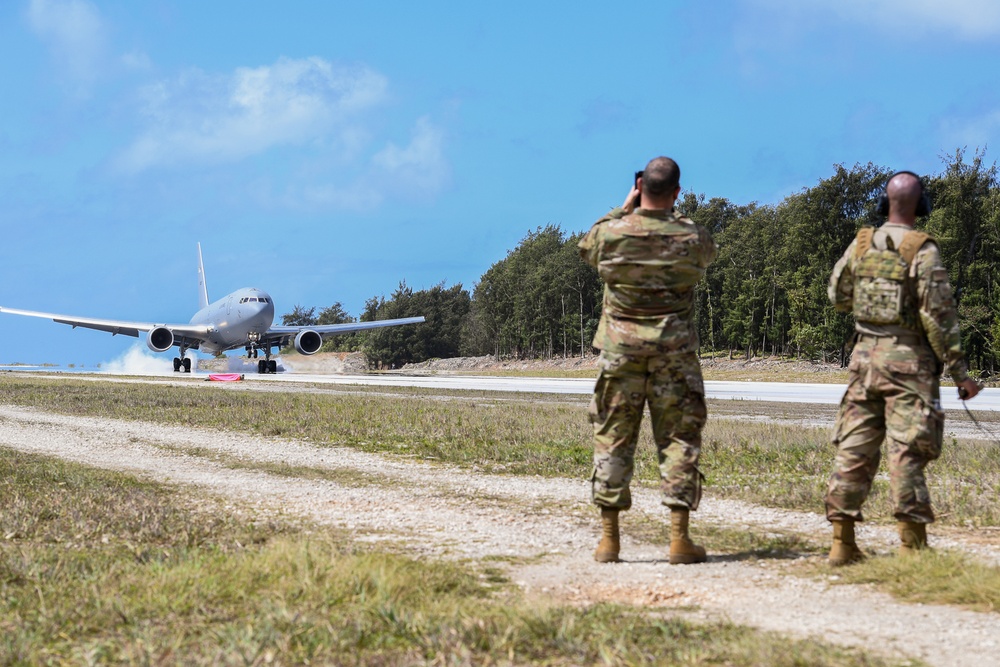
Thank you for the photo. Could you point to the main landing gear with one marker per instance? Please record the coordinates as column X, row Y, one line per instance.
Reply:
column 182, row 364
column 265, row 365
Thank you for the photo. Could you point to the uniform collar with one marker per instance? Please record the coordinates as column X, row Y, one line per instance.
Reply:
column 663, row 214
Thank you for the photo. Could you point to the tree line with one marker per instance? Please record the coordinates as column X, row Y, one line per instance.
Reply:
column 764, row 295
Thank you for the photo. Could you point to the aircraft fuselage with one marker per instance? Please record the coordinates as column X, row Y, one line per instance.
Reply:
column 236, row 319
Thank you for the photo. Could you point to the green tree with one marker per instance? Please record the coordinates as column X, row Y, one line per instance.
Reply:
column 300, row 317
column 445, row 311
column 349, row 342
column 540, row 300
column 334, row 314
column 964, row 220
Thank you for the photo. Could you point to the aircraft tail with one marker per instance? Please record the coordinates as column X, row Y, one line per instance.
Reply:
column 202, row 285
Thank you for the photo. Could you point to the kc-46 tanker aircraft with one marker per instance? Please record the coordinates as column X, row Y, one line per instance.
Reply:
column 243, row 318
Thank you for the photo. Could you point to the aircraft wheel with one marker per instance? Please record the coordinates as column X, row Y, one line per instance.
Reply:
column 187, row 365
column 272, row 366
column 260, row 367
column 177, row 364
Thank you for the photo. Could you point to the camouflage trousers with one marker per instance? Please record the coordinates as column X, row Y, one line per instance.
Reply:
column 673, row 388
column 893, row 395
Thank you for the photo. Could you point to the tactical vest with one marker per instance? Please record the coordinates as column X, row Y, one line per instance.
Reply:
column 884, row 290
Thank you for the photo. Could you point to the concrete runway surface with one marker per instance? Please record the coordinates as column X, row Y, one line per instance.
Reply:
column 777, row 392
column 774, row 392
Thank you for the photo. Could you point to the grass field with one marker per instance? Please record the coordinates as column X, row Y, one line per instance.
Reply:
column 772, row 464
column 931, row 577
column 767, row 463
column 98, row 567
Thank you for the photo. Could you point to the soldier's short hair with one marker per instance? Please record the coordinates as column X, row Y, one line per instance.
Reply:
column 661, row 176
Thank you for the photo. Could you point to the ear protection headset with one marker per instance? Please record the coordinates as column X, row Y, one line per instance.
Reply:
column 923, row 204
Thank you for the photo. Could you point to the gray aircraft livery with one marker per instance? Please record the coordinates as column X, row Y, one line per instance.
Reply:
column 241, row 319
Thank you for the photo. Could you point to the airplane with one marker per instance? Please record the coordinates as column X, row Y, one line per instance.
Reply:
column 244, row 318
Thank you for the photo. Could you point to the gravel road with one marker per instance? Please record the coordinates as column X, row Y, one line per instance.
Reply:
column 446, row 511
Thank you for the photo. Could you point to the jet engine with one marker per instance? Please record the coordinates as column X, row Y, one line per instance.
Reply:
column 159, row 339
column 308, row 342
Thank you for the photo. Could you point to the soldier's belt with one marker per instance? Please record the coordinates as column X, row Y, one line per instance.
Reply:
column 905, row 339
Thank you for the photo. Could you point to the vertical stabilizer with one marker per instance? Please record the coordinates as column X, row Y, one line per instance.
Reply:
column 202, row 285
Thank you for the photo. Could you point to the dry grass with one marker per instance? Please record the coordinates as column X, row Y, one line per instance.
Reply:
column 780, row 465
column 932, row 577
column 789, row 466
column 98, row 567
column 764, row 463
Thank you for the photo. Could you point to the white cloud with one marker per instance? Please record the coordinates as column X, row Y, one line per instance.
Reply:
column 421, row 166
column 417, row 171
column 75, row 34
column 357, row 196
column 204, row 118
column 136, row 60
column 975, row 19
column 974, row 132
column 967, row 18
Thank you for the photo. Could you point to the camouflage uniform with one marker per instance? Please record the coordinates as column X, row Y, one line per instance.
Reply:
column 650, row 261
column 893, row 281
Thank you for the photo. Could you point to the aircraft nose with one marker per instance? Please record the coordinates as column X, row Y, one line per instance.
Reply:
column 267, row 309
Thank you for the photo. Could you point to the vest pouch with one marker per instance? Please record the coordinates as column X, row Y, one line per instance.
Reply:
column 877, row 301
column 878, row 287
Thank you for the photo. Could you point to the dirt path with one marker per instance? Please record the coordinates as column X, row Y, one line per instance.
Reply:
column 457, row 513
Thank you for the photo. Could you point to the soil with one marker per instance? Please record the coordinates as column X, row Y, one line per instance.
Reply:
column 354, row 362
column 544, row 529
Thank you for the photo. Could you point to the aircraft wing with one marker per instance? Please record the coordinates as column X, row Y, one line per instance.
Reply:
column 186, row 334
column 331, row 329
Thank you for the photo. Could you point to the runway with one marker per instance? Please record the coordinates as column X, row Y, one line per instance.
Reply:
column 773, row 392
column 777, row 392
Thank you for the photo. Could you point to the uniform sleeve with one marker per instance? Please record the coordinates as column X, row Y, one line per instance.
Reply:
column 938, row 311
column 589, row 245
column 841, row 288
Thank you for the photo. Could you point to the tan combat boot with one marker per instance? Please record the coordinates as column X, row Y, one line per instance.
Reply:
column 844, row 550
column 913, row 537
column 682, row 550
column 609, row 546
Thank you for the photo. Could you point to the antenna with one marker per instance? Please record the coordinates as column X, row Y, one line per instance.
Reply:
column 202, row 285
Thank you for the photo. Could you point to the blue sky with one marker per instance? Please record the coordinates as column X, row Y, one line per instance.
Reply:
column 325, row 151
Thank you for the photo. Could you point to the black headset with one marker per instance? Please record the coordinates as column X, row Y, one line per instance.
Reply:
column 923, row 204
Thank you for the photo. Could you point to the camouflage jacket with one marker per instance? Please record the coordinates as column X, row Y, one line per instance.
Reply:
column 936, row 318
column 650, row 261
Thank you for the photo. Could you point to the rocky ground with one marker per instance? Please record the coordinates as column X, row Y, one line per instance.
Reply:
column 545, row 529
column 354, row 362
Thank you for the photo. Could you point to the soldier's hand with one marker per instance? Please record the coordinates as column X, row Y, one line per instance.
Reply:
column 968, row 388
column 633, row 196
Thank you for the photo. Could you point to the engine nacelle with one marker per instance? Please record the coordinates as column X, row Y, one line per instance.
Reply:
column 308, row 342
column 159, row 339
